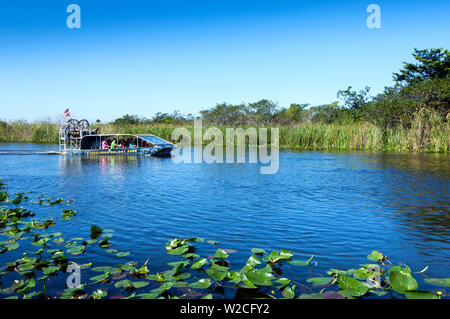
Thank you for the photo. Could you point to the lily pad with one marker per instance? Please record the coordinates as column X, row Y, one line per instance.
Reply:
column 216, row 274
column 285, row 254
column 199, row 263
column 401, row 279
column 220, row 254
column 178, row 251
column 311, row 296
column 260, row 277
column 441, row 282
column 288, row 292
column 320, row 281
column 98, row 294
column 300, row 262
column 420, row 295
column 75, row 250
column 101, row 277
column 258, row 251
column 127, row 284
column 283, row 282
column 375, row 256
column 251, row 263
column 201, row 284
column 350, row 287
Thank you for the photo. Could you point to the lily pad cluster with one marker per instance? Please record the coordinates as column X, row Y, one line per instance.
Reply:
column 376, row 280
column 41, row 260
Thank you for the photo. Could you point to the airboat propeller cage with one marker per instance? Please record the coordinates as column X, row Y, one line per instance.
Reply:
column 71, row 133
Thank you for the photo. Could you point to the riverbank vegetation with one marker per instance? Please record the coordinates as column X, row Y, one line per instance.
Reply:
column 411, row 115
column 38, row 261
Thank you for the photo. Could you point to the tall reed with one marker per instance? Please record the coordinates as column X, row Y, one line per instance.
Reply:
column 23, row 132
column 428, row 132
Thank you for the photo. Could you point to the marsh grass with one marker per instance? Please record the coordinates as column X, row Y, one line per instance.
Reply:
column 428, row 132
column 23, row 132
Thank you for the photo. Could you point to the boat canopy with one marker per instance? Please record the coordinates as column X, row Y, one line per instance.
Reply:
column 154, row 140
column 95, row 141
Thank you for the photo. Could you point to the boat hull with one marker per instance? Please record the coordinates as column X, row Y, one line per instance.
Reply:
column 153, row 151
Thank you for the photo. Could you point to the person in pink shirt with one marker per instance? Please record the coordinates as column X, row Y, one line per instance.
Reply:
column 105, row 144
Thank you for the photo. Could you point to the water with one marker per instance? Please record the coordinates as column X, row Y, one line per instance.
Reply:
column 337, row 206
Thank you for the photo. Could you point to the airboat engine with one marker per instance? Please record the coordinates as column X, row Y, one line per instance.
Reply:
column 71, row 133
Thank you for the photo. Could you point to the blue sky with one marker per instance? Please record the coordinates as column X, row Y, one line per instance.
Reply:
column 141, row 57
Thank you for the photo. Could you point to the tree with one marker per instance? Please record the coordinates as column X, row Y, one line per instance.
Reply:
column 430, row 94
column 295, row 112
column 354, row 101
column 431, row 64
column 390, row 108
column 127, row 119
column 225, row 114
column 399, row 104
column 424, row 85
column 263, row 111
column 176, row 118
column 327, row 114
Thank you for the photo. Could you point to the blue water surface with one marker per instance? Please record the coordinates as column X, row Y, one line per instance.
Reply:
column 338, row 207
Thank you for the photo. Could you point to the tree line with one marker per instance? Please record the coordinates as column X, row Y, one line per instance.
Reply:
column 422, row 86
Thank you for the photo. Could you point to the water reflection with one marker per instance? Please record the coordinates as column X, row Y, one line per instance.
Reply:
column 417, row 187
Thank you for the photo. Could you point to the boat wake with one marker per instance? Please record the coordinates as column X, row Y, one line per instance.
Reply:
column 28, row 152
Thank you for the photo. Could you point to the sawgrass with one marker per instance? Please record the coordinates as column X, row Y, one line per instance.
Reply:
column 428, row 132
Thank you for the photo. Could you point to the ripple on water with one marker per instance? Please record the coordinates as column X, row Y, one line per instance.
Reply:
column 337, row 206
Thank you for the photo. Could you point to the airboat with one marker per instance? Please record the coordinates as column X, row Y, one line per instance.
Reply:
column 78, row 138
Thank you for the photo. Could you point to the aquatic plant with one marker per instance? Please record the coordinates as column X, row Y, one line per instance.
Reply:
column 46, row 256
